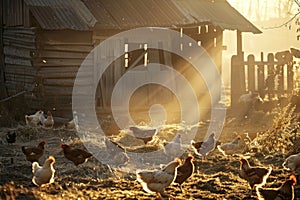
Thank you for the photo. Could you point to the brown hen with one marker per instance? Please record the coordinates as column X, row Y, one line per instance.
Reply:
column 256, row 176
column 33, row 154
column 77, row 156
column 284, row 192
column 185, row 170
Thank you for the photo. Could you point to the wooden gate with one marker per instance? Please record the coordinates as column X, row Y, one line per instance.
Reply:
column 271, row 78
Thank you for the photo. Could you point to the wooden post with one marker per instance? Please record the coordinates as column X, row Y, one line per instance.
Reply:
column 251, row 73
column 237, row 72
column 270, row 80
column 239, row 42
column 290, row 73
column 237, row 79
column 261, row 77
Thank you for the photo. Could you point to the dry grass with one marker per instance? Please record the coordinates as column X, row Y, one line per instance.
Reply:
column 283, row 136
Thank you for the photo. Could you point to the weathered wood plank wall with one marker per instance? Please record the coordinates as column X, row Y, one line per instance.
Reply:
column 19, row 49
column 60, row 54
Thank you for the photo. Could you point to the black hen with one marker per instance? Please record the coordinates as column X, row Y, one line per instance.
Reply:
column 11, row 137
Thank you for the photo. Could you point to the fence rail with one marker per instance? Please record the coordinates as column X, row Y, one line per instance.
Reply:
column 271, row 78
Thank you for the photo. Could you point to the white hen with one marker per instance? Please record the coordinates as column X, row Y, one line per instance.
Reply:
column 230, row 148
column 34, row 119
column 156, row 181
column 173, row 148
column 43, row 174
column 47, row 122
column 292, row 163
column 202, row 149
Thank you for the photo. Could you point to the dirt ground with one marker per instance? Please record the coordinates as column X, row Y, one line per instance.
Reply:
column 215, row 178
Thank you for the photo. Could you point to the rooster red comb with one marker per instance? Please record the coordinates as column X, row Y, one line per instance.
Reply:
column 178, row 161
column 293, row 178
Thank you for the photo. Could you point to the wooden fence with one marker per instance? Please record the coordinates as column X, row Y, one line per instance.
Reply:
column 271, row 78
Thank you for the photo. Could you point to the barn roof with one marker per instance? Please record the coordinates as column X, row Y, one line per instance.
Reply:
column 61, row 14
column 218, row 12
column 127, row 14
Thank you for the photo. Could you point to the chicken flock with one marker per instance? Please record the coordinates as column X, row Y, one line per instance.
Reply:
column 176, row 172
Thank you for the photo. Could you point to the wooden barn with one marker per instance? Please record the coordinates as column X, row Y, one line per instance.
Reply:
column 44, row 42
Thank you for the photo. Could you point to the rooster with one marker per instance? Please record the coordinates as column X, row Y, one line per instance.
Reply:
column 144, row 134
column 77, row 156
column 11, row 137
column 33, row 154
column 173, row 148
column 34, row 119
column 203, row 148
column 184, row 171
column 284, row 192
column 47, row 122
column 43, row 174
column 255, row 176
column 156, row 181
column 292, row 163
column 231, row 147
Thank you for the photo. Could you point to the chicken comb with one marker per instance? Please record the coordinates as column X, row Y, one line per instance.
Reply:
column 178, row 160
column 51, row 158
column 293, row 178
column 60, row 144
column 190, row 156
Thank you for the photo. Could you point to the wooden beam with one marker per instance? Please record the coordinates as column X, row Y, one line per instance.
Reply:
column 239, row 43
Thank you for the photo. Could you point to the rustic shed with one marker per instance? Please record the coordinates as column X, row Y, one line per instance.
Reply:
column 45, row 41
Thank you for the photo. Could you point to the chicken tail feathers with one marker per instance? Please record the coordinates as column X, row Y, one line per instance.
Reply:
column 221, row 150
